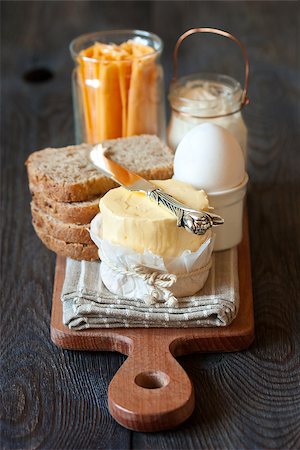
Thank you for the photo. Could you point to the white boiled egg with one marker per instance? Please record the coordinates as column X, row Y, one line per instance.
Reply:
column 210, row 158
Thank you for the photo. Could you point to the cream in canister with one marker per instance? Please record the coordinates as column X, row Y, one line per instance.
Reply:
column 202, row 98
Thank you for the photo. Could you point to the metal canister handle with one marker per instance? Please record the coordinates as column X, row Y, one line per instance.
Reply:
column 245, row 99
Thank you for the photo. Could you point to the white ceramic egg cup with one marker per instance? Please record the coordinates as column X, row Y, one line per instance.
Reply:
column 229, row 205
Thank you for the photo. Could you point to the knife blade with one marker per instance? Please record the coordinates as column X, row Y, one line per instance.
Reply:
column 197, row 222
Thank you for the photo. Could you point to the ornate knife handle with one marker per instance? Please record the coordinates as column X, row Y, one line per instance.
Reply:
column 196, row 222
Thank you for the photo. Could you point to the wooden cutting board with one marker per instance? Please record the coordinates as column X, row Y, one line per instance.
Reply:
column 151, row 391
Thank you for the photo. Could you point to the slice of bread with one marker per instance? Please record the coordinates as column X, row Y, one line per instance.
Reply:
column 72, row 250
column 69, row 232
column 79, row 213
column 67, row 175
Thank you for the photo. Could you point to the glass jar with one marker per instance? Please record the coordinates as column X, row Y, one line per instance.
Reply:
column 117, row 85
column 200, row 98
column 206, row 97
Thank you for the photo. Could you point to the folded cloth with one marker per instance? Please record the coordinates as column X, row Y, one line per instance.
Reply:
column 88, row 304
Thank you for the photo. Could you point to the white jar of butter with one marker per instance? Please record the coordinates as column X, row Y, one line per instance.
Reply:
column 204, row 97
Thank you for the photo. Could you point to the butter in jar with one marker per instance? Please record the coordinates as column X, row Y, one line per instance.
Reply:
column 204, row 97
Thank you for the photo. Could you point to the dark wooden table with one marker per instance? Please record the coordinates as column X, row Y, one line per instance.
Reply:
column 56, row 399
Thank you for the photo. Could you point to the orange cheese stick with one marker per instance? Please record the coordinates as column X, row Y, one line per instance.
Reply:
column 111, row 103
column 117, row 84
column 97, row 96
column 142, row 106
column 124, row 78
column 84, row 98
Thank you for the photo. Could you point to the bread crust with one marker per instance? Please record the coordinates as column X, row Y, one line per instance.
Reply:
column 75, row 192
column 72, row 250
column 58, row 229
column 79, row 213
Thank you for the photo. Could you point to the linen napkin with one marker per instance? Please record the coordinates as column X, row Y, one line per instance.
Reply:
column 88, row 304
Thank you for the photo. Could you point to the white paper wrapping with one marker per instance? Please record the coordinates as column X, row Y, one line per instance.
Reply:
column 139, row 275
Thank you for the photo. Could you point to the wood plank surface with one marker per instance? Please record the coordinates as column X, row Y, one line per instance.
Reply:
column 56, row 399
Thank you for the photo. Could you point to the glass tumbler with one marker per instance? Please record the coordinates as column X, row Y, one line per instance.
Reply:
column 117, row 85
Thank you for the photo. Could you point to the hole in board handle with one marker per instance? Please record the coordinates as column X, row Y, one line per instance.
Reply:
column 152, row 379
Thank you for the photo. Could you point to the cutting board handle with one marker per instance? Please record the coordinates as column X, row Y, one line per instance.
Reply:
column 151, row 391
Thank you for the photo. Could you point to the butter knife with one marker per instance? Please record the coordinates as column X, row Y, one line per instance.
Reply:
column 196, row 222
